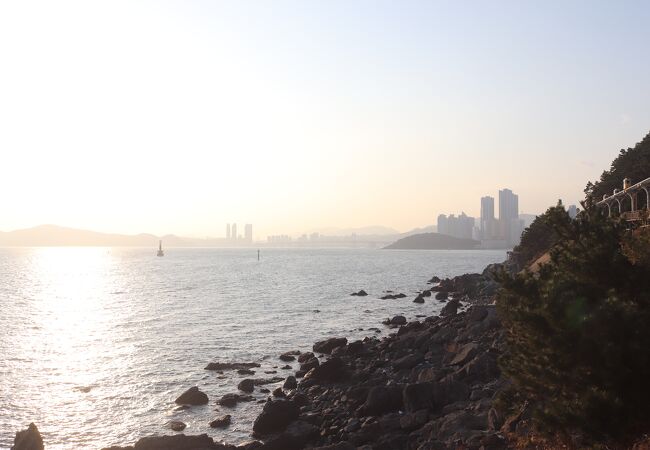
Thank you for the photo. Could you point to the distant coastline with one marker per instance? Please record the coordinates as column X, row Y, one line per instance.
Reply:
column 433, row 241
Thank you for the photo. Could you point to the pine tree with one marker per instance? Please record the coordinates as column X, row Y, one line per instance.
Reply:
column 578, row 330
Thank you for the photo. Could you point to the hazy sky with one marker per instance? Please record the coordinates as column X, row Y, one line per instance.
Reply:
column 177, row 117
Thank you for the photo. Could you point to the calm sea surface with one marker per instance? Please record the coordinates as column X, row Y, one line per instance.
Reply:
column 96, row 343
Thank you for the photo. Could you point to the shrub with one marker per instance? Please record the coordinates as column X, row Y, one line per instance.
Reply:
column 578, row 330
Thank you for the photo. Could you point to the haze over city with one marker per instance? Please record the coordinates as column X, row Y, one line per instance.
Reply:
column 179, row 117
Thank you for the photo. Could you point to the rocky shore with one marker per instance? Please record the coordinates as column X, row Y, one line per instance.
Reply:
column 429, row 385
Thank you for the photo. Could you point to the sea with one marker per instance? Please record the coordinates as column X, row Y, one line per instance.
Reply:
column 97, row 343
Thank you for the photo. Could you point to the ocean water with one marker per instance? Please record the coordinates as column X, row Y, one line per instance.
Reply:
column 96, row 343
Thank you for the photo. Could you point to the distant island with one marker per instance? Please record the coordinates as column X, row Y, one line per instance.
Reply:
column 433, row 241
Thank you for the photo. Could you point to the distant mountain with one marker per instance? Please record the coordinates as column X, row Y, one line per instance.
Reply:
column 433, row 241
column 427, row 229
column 374, row 230
column 57, row 236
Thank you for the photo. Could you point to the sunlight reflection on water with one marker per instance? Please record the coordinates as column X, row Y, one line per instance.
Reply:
column 96, row 343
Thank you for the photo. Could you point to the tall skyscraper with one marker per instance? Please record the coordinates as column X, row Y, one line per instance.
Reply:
column 228, row 231
column 443, row 228
column 508, row 212
column 233, row 232
column 248, row 233
column 511, row 226
column 488, row 222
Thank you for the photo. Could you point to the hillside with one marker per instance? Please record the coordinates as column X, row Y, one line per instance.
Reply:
column 433, row 241
column 632, row 163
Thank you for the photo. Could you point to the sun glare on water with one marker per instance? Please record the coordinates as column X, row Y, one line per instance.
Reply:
column 67, row 330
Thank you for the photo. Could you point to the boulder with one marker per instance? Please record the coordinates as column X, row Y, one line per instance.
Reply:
column 328, row 345
column 398, row 320
column 451, row 308
column 28, row 439
column 246, row 385
column 309, row 364
column 414, row 420
column 231, row 366
column 231, row 400
column 381, row 400
column 305, row 357
column 433, row 396
column 442, row 295
column 287, row 357
column 193, row 396
column 419, row 299
column 177, row 425
column 408, row 361
column 275, row 417
column 221, row 422
column 361, row 293
column 177, row 442
column 334, row 369
column 465, row 354
column 338, row 446
column 290, row 383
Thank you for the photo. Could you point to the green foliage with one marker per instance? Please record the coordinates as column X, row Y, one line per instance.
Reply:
column 540, row 236
column 633, row 163
column 578, row 330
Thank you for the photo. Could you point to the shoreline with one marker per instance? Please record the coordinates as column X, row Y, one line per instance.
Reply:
column 332, row 399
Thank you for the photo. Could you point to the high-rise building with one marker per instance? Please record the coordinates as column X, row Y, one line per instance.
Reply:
column 460, row 227
column 233, row 232
column 443, row 227
column 248, row 233
column 508, row 212
column 228, row 231
column 488, row 225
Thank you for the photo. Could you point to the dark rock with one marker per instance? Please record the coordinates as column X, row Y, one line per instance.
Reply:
column 451, row 308
column 246, row 385
column 442, row 295
column 433, row 396
column 290, row 383
column 305, row 357
column 221, row 422
column 177, row 425
column 278, row 392
column 419, row 299
column 275, row 416
column 338, row 446
column 176, row 442
column 288, row 356
column 328, row 345
column 193, row 396
column 245, row 372
column 361, row 293
column 333, row 369
column 434, row 279
column 381, row 400
column 414, row 420
column 287, row 367
column 464, row 354
column 230, row 400
column 355, row 347
column 408, row 361
column 309, row 364
column 28, row 439
column 398, row 320
column 230, row 366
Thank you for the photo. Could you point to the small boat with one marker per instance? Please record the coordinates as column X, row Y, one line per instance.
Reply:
column 160, row 250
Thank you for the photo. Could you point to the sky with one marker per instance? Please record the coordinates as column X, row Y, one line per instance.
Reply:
column 179, row 117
